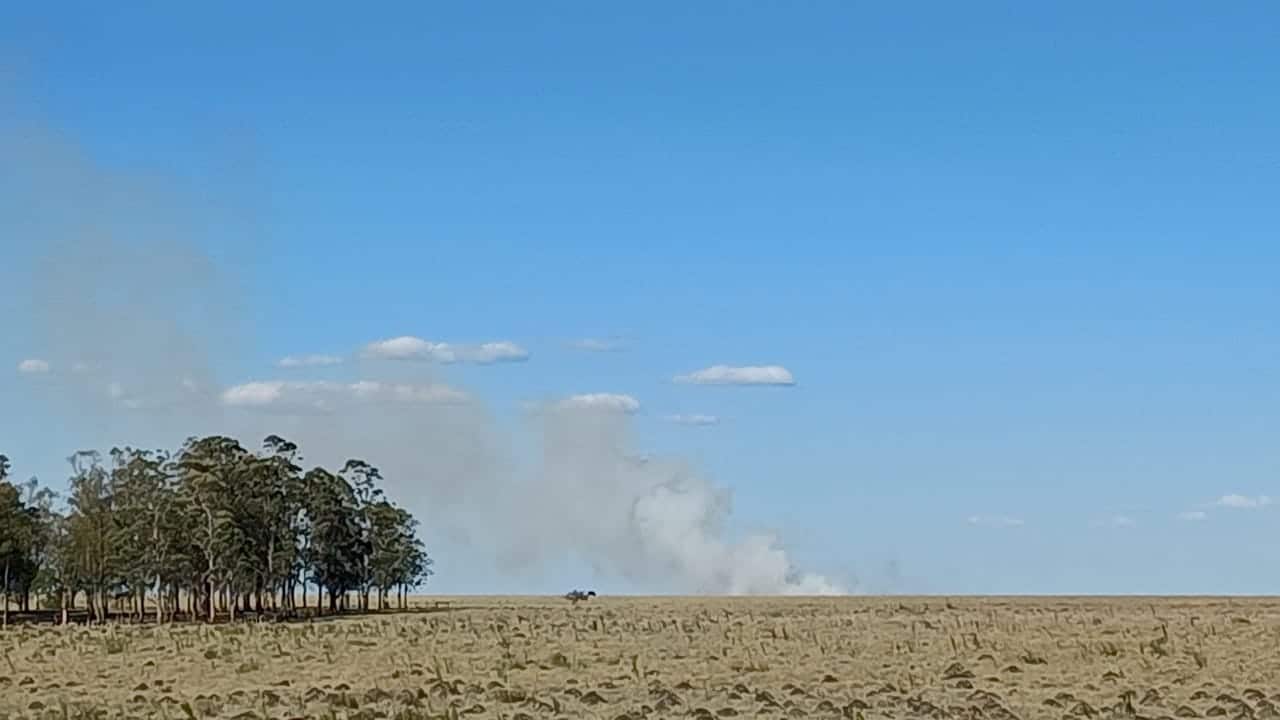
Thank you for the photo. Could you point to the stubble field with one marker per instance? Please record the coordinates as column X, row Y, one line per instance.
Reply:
column 703, row 658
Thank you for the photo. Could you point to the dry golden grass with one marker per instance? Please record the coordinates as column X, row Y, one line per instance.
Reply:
column 674, row 657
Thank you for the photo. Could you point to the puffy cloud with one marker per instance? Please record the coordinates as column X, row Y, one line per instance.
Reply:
column 745, row 375
column 694, row 419
column 1120, row 521
column 1243, row 502
column 33, row 366
column 1192, row 515
column 607, row 402
column 995, row 521
column 327, row 396
column 296, row 361
column 407, row 347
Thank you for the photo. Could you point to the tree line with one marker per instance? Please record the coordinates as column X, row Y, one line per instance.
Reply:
column 213, row 529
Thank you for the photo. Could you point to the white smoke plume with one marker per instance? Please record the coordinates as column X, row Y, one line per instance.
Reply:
column 646, row 518
column 133, row 320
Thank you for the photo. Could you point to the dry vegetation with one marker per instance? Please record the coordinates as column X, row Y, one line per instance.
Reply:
column 653, row 658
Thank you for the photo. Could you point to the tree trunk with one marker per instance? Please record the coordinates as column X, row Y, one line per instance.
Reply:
column 271, row 571
column 5, row 614
column 62, row 600
column 213, row 608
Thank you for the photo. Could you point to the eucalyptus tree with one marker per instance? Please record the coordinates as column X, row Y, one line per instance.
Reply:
column 279, row 512
column 143, row 494
column 384, row 547
column 227, row 527
column 415, row 563
column 363, row 479
column 398, row 558
column 59, row 573
column 337, row 543
column 8, row 532
column 38, row 515
column 210, row 474
column 13, row 528
column 90, row 533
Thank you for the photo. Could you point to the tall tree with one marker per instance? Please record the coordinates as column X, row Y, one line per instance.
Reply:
column 90, row 531
column 210, row 470
column 144, row 501
column 227, row 528
column 363, row 479
column 13, row 529
column 337, row 542
column 37, row 505
column 275, row 511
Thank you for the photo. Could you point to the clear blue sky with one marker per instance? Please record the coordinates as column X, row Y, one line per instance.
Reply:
column 1022, row 259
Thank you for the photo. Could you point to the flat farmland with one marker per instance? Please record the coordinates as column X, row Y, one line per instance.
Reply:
column 611, row 658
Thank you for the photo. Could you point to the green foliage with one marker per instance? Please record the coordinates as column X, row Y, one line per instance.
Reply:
column 221, row 526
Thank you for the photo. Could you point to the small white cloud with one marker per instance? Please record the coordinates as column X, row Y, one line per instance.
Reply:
column 324, row 396
column 407, row 347
column 605, row 402
column 254, row 394
column 995, row 521
column 399, row 348
column 296, row 361
column 1243, row 502
column 695, row 419
column 33, row 366
column 1192, row 515
column 596, row 345
column 746, row 375
column 115, row 390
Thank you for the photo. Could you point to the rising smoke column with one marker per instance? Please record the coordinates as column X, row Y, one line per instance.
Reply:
column 647, row 519
column 135, row 319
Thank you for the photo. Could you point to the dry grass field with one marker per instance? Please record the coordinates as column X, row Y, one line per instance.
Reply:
column 706, row 658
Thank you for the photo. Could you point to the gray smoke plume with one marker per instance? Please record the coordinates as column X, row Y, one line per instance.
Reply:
column 133, row 319
column 123, row 311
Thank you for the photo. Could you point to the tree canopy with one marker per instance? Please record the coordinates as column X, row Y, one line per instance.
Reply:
column 212, row 530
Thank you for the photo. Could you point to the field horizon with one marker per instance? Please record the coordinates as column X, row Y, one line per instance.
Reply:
column 703, row 657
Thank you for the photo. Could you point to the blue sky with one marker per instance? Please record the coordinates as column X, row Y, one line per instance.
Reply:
column 1021, row 259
